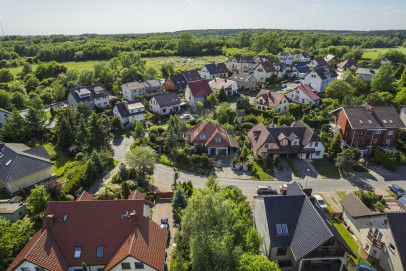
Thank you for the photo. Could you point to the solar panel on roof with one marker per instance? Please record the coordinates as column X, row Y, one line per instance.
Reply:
column 403, row 200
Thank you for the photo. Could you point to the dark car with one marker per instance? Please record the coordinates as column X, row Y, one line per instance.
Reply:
column 399, row 192
column 297, row 82
column 266, row 190
column 165, row 223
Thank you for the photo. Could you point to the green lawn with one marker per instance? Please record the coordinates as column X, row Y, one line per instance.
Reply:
column 347, row 237
column 326, row 168
column 391, row 194
column 62, row 162
column 262, row 174
column 341, row 194
column 378, row 52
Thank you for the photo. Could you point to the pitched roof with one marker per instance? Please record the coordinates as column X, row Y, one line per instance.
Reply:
column 348, row 63
column 90, row 92
column 267, row 66
column 366, row 71
column 209, row 131
column 85, row 196
column 309, row 91
column 308, row 226
column 329, row 58
column 271, row 98
column 325, row 73
column 218, row 83
column 5, row 111
column 19, row 161
column 259, row 134
column 178, row 79
column 152, row 83
column 90, row 224
column 222, row 68
column 397, row 222
column 123, row 108
column 301, row 67
column 372, row 117
column 212, row 69
column 321, row 62
column 135, row 85
column 239, row 76
column 167, row 99
column 191, row 75
column 355, row 207
column 200, row 88
column 245, row 59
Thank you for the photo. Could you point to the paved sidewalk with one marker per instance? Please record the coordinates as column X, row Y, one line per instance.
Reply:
column 101, row 183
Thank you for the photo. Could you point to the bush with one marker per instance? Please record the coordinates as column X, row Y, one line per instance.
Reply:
column 389, row 162
column 269, row 161
column 165, row 160
column 293, row 166
column 79, row 156
column 247, row 126
column 132, row 184
column 278, row 163
column 378, row 155
column 69, row 198
column 75, row 181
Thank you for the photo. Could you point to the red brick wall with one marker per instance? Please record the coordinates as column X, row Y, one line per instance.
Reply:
column 169, row 85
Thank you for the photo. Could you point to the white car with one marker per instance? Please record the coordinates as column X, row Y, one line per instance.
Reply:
column 320, row 201
column 186, row 116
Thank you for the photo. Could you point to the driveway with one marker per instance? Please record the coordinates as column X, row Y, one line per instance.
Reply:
column 162, row 209
column 305, row 168
column 121, row 146
column 285, row 174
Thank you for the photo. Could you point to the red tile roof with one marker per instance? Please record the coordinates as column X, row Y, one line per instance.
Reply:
column 85, row 196
column 268, row 66
column 309, row 91
column 191, row 75
column 200, row 88
column 136, row 195
column 258, row 135
column 210, row 130
column 91, row 224
column 346, row 64
column 272, row 98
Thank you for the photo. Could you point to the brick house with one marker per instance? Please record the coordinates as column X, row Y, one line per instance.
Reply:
column 367, row 126
column 175, row 82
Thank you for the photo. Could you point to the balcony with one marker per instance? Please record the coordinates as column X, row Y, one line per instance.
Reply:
column 374, row 241
column 330, row 253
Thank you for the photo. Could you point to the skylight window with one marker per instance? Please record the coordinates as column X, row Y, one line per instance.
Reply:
column 360, row 121
column 279, row 228
column 370, row 121
column 384, row 121
column 65, row 218
column 8, row 162
column 285, row 229
column 100, row 252
column 391, row 121
column 78, row 252
column 122, row 217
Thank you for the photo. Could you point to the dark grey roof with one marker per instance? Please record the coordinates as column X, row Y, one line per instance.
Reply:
column 397, row 223
column 152, row 83
column 222, row 67
column 123, row 110
column 95, row 91
column 16, row 162
column 212, row 69
column 301, row 67
column 366, row 71
column 39, row 151
column 354, row 206
column 372, row 117
column 240, row 76
column 325, row 72
column 308, row 225
column 167, row 99
column 178, row 79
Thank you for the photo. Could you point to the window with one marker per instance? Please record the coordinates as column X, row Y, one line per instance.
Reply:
column 369, row 132
column 164, row 110
column 39, row 268
column 316, row 144
column 366, row 247
column 285, row 263
column 370, row 121
column 387, row 142
column 139, row 265
column 65, row 218
column 360, row 133
column 279, row 228
column 360, row 121
column 125, row 266
column 378, row 132
column 295, row 142
column 283, row 143
column 266, row 145
column 271, row 146
column 385, row 222
column 384, row 121
column 318, row 153
column 217, row 140
column 358, row 143
column 25, row 269
column 390, row 132
column 122, row 217
column 285, row 228
column 77, row 253
column 375, row 140
column 391, row 247
column 202, row 136
column 281, row 251
column 100, row 252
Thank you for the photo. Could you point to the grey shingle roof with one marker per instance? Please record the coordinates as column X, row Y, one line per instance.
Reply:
column 167, row 99
column 354, row 206
column 308, row 225
column 301, row 67
column 96, row 91
column 240, row 76
column 397, row 223
column 17, row 162
column 123, row 110
column 212, row 69
column 39, row 151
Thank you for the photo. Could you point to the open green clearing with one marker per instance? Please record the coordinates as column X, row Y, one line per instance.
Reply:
column 378, row 52
column 326, row 168
column 62, row 161
column 347, row 237
column 181, row 63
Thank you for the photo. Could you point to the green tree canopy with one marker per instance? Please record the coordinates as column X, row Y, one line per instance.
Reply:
column 38, row 199
column 383, row 80
column 253, row 262
column 142, row 158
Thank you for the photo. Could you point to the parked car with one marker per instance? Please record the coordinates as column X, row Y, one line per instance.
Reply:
column 283, row 85
column 266, row 190
column 165, row 223
column 297, row 82
column 399, row 192
column 320, row 201
column 185, row 116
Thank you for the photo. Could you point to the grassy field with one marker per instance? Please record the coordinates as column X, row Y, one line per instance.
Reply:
column 62, row 162
column 378, row 52
column 181, row 63
column 347, row 237
column 326, row 168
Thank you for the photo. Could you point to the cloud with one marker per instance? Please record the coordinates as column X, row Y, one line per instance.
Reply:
column 317, row 5
column 193, row 3
column 357, row 8
column 391, row 11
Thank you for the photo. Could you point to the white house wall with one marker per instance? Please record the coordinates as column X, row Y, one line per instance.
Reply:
column 132, row 262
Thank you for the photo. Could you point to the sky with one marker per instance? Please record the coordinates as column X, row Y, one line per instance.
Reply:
column 44, row 17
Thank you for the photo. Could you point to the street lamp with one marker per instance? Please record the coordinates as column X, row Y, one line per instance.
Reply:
column 307, row 177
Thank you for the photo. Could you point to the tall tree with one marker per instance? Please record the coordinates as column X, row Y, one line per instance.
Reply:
column 252, row 262
column 35, row 122
column 125, row 189
column 383, row 80
column 335, row 147
column 139, row 130
column 38, row 199
column 179, row 200
column 142, row 158
column 15, row 129
column 65, row 135
column 96, row 134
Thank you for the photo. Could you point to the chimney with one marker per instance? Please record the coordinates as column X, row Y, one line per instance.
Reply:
column 50, row 219
column 133, row 217
column 308, row 191
column 370, row 109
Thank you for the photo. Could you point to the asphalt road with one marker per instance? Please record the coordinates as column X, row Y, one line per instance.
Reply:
column 163, row 176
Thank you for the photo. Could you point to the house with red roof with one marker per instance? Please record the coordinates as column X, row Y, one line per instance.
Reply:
column 105, row 234
column 266, row 100
column 348, row 65
column 197, row 91
column 303, row 94
column 210, row 136
column 191, row 75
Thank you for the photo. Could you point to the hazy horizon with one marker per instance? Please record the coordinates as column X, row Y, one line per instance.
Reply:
column 75, row 17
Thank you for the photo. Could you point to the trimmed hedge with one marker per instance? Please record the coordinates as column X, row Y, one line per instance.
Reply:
column 75, row 182
column 387, row 161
